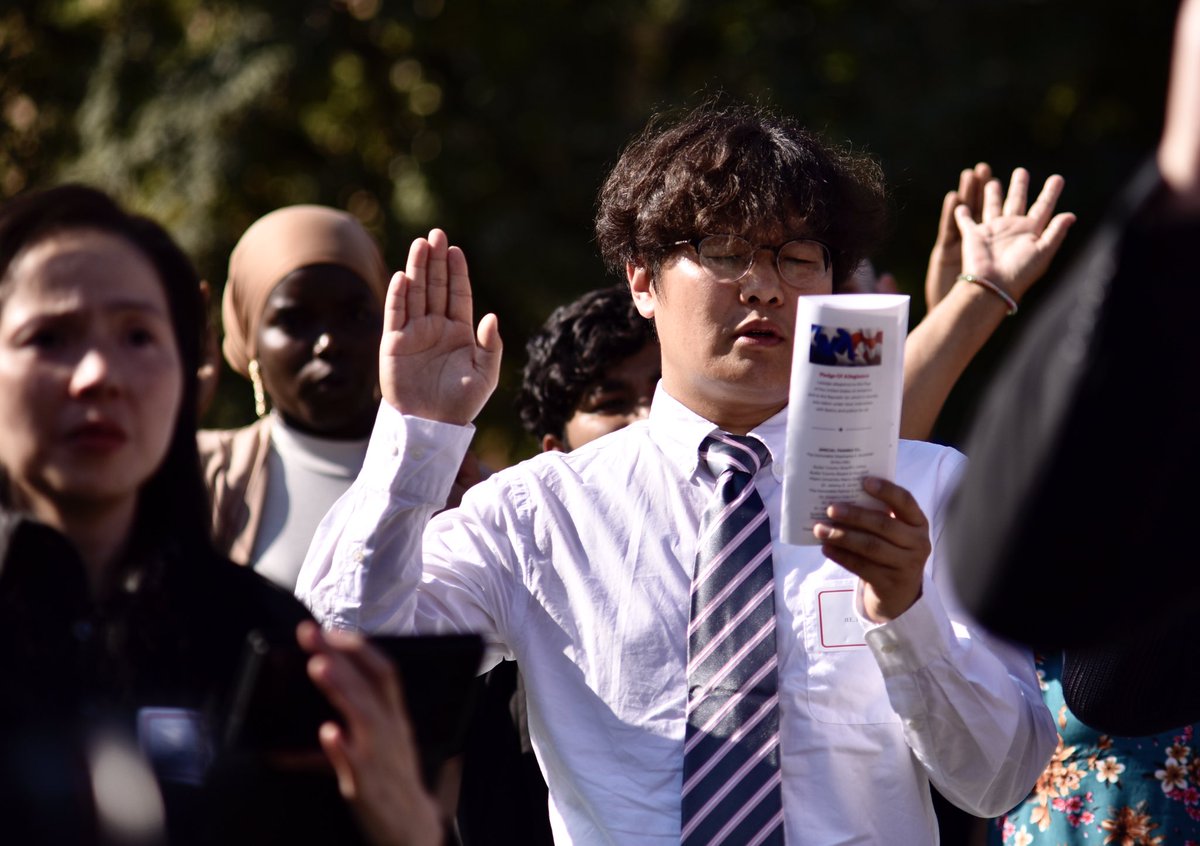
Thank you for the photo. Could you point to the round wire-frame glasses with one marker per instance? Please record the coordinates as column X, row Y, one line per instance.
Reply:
column 728, row 258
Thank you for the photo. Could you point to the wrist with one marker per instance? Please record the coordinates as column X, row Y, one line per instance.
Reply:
column 992, row 288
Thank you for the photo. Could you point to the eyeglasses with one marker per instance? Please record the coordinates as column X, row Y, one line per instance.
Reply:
column 728, row 258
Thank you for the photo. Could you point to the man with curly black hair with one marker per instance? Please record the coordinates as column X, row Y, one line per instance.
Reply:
column 592, row 369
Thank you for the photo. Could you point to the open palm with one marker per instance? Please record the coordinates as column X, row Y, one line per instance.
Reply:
column 432, row 362
column 1010, row 245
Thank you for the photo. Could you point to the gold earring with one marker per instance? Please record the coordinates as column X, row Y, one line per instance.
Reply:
column 260, row 396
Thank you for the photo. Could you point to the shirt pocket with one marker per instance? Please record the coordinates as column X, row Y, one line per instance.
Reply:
column 844, row 684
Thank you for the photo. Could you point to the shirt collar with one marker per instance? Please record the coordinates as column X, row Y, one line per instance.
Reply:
column 679, row 431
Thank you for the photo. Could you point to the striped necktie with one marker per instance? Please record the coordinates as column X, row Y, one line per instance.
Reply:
column 731, row 781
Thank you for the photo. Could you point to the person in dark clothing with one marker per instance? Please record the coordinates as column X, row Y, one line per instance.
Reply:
column 1075, row 505
column 121, row 629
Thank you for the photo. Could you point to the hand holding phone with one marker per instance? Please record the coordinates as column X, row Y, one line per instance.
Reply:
column 277, row 710
column 374, row 748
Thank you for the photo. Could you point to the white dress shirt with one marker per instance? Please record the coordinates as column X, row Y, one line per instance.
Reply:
column 579, row 566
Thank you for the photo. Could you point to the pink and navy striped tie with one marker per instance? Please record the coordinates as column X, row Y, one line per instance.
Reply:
column 731, row 781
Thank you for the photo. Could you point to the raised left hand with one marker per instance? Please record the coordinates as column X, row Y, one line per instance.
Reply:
column 1009, row 245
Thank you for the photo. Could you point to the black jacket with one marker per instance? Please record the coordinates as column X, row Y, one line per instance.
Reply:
column 152, row 670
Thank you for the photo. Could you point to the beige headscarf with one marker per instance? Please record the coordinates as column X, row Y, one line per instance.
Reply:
column 278, row 243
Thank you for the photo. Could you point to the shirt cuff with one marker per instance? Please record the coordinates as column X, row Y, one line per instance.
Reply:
column 916, row 639
column 429, row 452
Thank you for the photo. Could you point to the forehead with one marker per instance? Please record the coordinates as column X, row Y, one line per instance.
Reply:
column 320, row 286
column 780, row 231
column 765, row 230
column 79, row 268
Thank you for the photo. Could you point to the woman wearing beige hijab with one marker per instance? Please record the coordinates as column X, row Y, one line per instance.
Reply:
column 302, row 319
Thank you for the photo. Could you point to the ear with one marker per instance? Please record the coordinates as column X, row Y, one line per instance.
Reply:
column 551, row 443
column 641, row 289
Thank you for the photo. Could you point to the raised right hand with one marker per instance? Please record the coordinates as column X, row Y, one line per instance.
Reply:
column 432, row 363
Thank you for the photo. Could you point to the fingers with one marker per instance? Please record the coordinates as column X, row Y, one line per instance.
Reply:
column 355, row 677
column 962, row 216
column 438, row 277
column 902, row 503
column 374, row 673
column 1054, row 234
column 434, row 282
column 1018, row 192
column 902, row 509
column 970, row 191
column 362, row 656
column 875, row 556
column 329, row 670
column 970, row 187
column 416, row 272
column 395, row 308
column 308, row 635
column 460, row 305
column 886, row 549
column 374, row 754
column 361, row 705
column 993, row 201
column 488, row 336
column 339, row 687
column 966, row 183
column 1043, row 207
column 983, row 173
column 489, row 348
column 970, row 195
column 333, row 743
column 948, row 234
column 882, row 536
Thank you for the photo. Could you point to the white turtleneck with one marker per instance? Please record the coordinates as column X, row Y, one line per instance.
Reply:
column 305, row 476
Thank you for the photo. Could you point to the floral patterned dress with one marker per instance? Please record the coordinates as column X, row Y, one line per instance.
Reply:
column 1100, row 789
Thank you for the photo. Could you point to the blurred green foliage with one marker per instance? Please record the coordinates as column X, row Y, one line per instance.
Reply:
column 497, row 119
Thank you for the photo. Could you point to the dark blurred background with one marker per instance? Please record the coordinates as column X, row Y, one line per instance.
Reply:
column 498, row 120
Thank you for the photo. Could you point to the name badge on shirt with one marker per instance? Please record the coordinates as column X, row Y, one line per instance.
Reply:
column 840, row 624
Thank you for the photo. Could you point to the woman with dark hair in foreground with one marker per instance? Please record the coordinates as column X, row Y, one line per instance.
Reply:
column 121, row 629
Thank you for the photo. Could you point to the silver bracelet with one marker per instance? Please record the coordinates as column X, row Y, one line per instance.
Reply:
column 993, row 287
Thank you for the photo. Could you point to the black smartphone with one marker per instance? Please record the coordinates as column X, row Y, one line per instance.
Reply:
column 276, row 709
